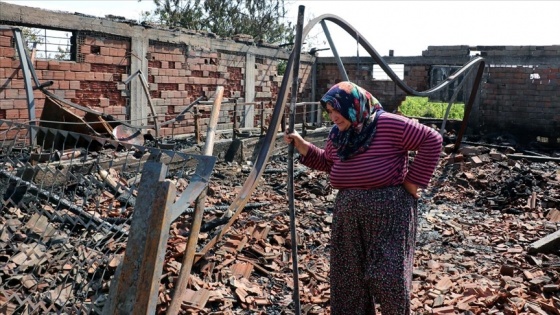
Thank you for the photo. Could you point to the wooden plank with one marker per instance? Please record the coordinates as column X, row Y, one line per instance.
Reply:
column 122, row 294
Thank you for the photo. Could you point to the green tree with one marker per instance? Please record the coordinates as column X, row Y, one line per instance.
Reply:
column 63, row 53
column 265, row 20
column 32, row 37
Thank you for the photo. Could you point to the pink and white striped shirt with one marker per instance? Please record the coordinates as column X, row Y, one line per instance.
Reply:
column 385, row 163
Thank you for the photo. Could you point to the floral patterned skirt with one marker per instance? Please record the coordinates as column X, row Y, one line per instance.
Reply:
column 373, row 237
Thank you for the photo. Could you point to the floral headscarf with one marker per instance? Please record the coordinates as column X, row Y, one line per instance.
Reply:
column 361, row 109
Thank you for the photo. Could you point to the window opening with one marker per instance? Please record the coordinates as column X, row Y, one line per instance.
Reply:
column 50, row 44
column 379, row 74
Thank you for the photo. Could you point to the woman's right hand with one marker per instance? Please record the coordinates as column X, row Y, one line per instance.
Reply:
column 299, row 143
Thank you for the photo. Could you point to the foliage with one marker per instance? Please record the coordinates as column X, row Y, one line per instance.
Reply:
column 421, row 107
column 32, row 37
column 262, row 19
column 63, row 53
column 282, row 65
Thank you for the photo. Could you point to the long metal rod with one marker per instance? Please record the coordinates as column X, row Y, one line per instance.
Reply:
column 146, row 89
column 468, row 107
column 291, row 197
column 266, row 149
column 452, row 100
column 335, row 52
column 190, row 251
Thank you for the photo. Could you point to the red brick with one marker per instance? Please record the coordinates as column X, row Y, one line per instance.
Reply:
column 74, row 66
column 23, row 113
column 12, row 113
column 17, row 84
column 5, row 63
column 54, row 65
column 65, row 65
column 64, row 85
column 75, row 85
column 41, row 65
column 85, row 49
column 89, row 58
column 20, row 104
column 7, row 104
column 58, row 75
column 105, row 51
column 5, row 41
column 80, row 76
column 120, row 52
column 69, row 94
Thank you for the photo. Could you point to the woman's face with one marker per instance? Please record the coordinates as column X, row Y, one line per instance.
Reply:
column 342, row 123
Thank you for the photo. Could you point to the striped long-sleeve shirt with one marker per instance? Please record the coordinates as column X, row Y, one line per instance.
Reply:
column 385, row 163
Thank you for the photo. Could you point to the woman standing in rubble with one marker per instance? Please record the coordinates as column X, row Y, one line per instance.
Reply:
column 375, row 212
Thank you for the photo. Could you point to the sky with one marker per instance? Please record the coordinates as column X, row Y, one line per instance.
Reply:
column 406, row 27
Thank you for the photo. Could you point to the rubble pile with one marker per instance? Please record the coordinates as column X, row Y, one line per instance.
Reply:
column 488, row 240
column 476, row 252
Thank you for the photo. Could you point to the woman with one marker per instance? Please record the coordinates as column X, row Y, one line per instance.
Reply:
column 375, row 211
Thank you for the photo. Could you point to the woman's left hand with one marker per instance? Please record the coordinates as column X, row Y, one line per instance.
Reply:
column 411, row 188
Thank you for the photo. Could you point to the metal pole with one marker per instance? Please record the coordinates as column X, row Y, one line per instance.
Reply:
column 335, row 53
column 234, row 135
column 23, row 59
column 295, row 79
column 314, row 107
column 262, row 119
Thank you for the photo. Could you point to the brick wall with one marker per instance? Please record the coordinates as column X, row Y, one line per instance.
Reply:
column 519, row 93
column 521, row 101
column 92, row 83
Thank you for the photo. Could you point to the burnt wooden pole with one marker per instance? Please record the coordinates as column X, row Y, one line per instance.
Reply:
column 295, row 79
column 190, row 251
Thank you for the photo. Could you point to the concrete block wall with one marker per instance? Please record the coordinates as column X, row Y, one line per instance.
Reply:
column 522, row 100
column 519, row 93
column 388, row 94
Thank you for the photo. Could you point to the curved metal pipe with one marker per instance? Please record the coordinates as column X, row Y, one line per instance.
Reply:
column 375, row 55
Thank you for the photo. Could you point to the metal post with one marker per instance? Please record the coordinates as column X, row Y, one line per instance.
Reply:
column 335, row 53
column 23, row 59
column 314, row 107
column 293, row 235
column 262, row 118
column 304, row 121
column 234, row 119
column 197, row 125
